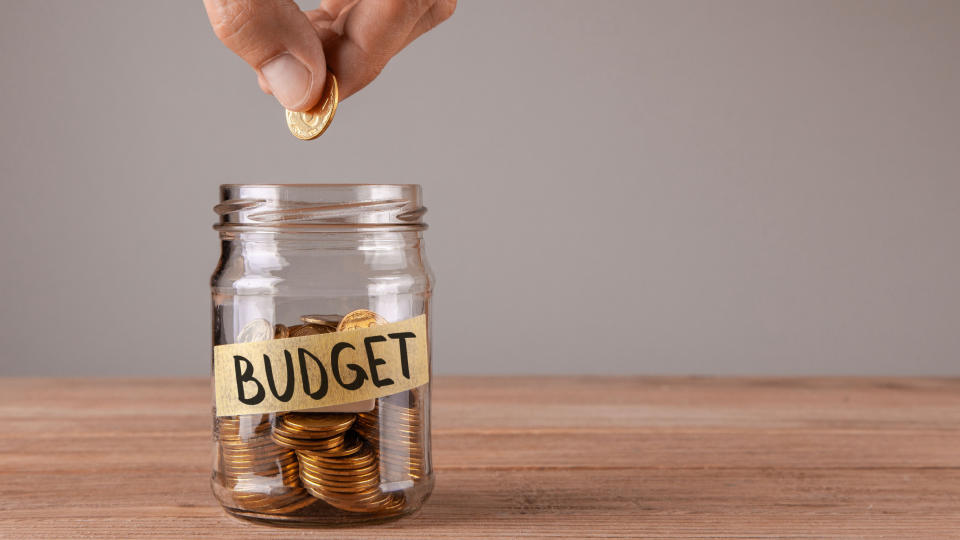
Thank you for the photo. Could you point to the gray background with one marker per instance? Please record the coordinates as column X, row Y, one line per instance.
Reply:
column 618, row 187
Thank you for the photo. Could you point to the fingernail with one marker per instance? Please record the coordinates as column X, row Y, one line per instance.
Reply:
column 289, row 80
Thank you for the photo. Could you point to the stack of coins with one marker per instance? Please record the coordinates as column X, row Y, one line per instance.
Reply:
column 317, row 432
column 343, row 459
column 336, row 465
column 348, row 479
column 249, row 458
column 398, row 433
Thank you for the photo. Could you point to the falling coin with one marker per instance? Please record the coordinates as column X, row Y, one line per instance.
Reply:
column 311, row 124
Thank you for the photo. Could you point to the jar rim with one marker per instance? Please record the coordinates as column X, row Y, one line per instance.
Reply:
column 320, row 185
column 327, row 207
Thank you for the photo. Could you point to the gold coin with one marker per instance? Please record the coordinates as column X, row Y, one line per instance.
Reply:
column 349, row 486
column 307, row 444
column 272, row 453
column 332, row 424
column 343, row 490
column 332, row 474
column 395, row 504
column 345, row 467
column 336, row 466
column 323, row 440
column 248, row 441
column 361, row 318
column 271, row 468
column 311, row 330
column 324, row 320
column 351, row 445
column 363, row 497
column 311, row 124
column 257, row 462
column 278, row 504
column 370, row 501
column 317, row 478
column 292, row 329
column 363, row 459
column 244, row 463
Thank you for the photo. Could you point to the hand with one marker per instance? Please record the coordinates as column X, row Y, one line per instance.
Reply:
column 291, row 49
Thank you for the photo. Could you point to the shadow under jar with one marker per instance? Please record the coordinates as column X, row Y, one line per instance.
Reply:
column 315, row 261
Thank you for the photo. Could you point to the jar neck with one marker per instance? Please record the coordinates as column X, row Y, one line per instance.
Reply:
column 276, row 262
column 320, row 208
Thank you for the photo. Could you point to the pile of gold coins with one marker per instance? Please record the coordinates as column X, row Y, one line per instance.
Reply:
column 284, row 463
column 249, row 458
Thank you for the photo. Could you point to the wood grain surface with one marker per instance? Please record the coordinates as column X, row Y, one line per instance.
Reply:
column 627, row 457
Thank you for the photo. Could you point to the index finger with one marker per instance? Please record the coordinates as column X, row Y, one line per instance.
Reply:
column 374, row 31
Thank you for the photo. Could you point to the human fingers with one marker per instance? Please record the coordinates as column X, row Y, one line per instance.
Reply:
column 279, row 43
column 373, row 32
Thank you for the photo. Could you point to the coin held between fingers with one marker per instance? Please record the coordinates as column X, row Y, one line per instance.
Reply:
column 311, row 124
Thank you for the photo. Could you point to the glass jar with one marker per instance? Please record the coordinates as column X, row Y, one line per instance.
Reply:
column 308, row 275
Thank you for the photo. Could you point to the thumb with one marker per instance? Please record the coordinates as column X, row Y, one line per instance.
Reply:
column 278, row 41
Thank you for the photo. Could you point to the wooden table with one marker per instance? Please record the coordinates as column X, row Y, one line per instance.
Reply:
column 523, row 457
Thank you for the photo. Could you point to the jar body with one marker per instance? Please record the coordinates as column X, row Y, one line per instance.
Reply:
column 375, row 464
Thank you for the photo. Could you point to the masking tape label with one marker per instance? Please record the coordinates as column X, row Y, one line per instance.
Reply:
column 315, row 371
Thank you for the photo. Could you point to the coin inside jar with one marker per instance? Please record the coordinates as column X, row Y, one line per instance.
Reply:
column 255, row 330
column 283, row 463
column 324, row 320
column 361, row 318
column 310, row 329
column 319, row 423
